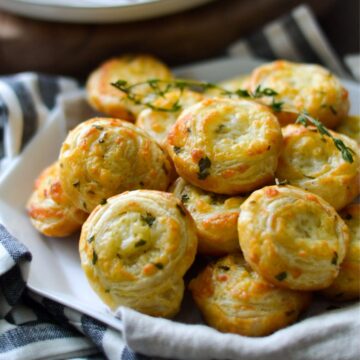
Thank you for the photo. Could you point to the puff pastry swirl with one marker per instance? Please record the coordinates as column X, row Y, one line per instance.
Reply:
column 135, row 250
column 131, row 68
column 303, row 87
column 234, row 298
column 226, row 146
column 347, row 285
column 312, row 161
column 215, row 217
column 292, row 238
column 103, row 157
column 50, row 210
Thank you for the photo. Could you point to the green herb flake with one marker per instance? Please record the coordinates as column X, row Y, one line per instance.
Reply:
column 277, row 105
column 107, row 290
column 220, row 129
column 148, row 219
column 224, row 267
column 333, row 110
column 185, row 198
column 281, row 276
column 182, row 212
column 95, row 258
column 281, row 182
column 159, row 265
column 334, row 259
column 98, row 127
column 204, row 165
column 91, row 239
column 76, row 184
column 139, row 243
column 177, row 149
column 84, row 205
column 103, row 202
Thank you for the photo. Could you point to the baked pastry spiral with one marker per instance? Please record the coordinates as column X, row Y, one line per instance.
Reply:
column 103, row 157
column 227, row 146
column 50, row 210
column 215, row 217
column 158, row 123
column 292, row 238
column 347, row 285
column 131, row 68
column 303, row 87
column 313, row 162
column 234, row 298
column 135, row 250
column 350, row 126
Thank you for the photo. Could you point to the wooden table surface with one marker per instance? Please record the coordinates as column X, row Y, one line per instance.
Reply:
column 75, row 49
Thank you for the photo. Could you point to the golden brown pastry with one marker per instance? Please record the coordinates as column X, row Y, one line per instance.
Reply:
column 131, row 68
column 303, row 87
column 312, row 161
column 103, row 157
column 226, row 146
column 292, row 238
column 350, row 126
column 215, row 217
column 347, row 285
column 50, row 210
column 158, row 123
column 135, row 250
column 234, row 298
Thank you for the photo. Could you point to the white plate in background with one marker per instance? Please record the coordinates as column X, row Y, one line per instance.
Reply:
column 55, row 270
column 96, row 11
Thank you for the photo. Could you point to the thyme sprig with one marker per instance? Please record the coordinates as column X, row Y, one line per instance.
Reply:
column 304, row 119
column 160, row 88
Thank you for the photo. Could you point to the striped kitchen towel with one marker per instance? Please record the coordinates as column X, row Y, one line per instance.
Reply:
column 33, row 327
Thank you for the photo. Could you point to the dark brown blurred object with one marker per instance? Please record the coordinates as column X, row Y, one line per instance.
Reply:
column 185, row 37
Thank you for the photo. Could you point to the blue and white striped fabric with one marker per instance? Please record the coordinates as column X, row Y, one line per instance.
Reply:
column 32, row 327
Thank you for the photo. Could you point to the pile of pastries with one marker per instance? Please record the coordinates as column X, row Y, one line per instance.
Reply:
column 269, row 202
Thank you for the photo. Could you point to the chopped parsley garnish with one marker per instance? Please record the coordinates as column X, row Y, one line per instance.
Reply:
column 334, row 259
column 76, row 184
column 177, row 149
column 103, row 202
column 139, row 243
column 148, row 219
column 204, row 165
column 95, row 258
column 281, row 276
column 91, row 239
column 220, row 129
column 185, row 198
column 159, row 265
column 84, row 205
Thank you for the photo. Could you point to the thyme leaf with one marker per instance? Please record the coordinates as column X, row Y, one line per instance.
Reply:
column 160, row 87
column 304, row 118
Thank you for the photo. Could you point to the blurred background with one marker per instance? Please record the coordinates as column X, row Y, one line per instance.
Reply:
column 203, row 31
